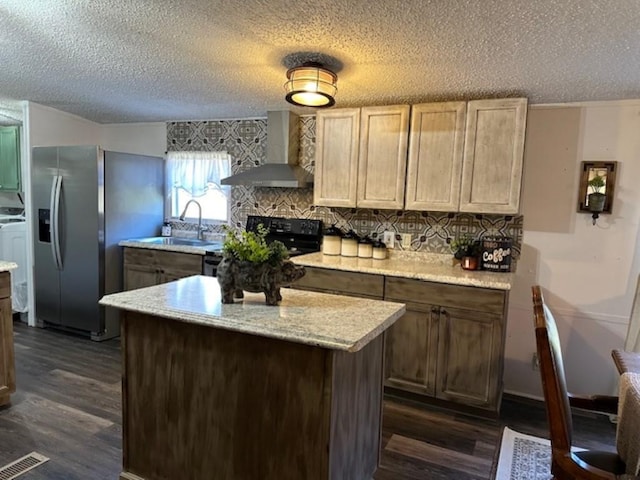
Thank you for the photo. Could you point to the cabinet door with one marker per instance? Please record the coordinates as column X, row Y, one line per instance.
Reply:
column 411, row 351
column 436, row 142
column 493, row 151
column 10, row 159
column 336, row 169
column 382, row 158
column 178, row 266
column 7, row 362
column 470, row 357
column 140, row 276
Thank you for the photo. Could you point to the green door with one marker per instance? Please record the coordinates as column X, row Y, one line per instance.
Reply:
column 10, row 159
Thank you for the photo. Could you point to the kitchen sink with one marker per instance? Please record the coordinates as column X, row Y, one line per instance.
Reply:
column 190, row 242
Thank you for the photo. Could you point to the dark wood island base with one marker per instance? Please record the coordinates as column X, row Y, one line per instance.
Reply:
column 201, row 402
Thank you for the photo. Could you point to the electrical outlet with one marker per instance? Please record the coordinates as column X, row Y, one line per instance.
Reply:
column 388, row 239
column 406, row 240
column 535, row 361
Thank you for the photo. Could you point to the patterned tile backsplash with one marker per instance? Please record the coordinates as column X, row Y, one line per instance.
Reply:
column 246, row 141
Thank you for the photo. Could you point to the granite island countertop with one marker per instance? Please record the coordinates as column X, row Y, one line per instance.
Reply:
column 420, row 266
column 7, row 266
column 334, row 322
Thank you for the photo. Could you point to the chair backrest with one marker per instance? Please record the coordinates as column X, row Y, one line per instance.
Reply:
column 552, row 373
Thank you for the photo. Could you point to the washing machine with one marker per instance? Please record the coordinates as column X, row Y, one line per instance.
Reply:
column 13, row 248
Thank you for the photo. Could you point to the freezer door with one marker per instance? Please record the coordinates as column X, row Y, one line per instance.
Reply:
column 81, row 236
column 46, row 274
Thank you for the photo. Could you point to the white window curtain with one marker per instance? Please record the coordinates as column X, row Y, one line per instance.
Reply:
column 196, row 172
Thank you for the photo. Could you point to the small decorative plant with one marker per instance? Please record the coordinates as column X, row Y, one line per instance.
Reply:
column 250, row 263
column 597, row 183
column 252, row 247
column 465, row 246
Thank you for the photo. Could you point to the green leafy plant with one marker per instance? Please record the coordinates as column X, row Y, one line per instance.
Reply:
column 597, row 183
column 252, row 246
column 465, row 246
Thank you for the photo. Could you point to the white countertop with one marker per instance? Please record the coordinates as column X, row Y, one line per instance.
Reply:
column 420, row 266
column 6, row 266
column 330, row 321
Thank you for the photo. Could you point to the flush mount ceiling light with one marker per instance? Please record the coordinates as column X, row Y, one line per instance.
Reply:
column 312, row 78
column 311, row 85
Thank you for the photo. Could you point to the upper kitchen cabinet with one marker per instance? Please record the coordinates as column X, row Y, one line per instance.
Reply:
column 336, row 169
column 361, row 157
column 382, row 159
column 494, row 147
column 436, row 144
column 10, row 159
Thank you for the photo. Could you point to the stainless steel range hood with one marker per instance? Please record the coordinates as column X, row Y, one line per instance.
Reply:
column 281, row 167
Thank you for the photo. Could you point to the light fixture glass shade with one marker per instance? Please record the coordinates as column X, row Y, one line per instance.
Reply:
column 311, row 85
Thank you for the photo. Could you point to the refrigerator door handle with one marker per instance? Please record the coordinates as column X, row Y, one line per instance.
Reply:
column 56, row 188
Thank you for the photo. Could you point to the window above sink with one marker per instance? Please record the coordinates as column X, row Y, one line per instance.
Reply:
column 196, row 176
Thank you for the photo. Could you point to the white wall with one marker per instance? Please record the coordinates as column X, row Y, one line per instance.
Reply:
column 588, row 273
column 45, row 126
column 140, row 138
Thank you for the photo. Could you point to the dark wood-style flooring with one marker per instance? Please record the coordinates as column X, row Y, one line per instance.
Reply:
column 67, row 407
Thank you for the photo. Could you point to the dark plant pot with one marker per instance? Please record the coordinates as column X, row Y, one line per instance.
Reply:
column 596, row 202
column 469, row 263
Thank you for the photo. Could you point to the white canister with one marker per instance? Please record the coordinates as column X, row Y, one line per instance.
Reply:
column 349, row 245
column 365, row 248
column 379, row 250
column 332, row 241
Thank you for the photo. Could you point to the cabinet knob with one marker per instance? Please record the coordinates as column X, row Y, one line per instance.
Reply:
column 435, row 310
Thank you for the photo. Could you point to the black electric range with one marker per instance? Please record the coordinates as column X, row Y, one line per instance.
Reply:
column 298, row 235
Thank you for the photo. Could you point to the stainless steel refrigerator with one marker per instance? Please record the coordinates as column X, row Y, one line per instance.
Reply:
column 85, row 200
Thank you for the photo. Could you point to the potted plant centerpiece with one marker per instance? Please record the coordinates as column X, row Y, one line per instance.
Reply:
column 596, row 198
column 250, row 263
column 466, row 249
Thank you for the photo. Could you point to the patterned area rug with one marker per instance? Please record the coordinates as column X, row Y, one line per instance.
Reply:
column 523, row 457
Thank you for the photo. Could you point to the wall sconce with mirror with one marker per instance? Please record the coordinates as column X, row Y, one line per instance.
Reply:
column 597, row 184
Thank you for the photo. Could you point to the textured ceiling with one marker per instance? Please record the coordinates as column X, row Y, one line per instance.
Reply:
column 155, row 60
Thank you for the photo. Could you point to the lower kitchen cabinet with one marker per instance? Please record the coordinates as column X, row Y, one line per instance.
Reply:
column 449, row 345
column 7, row 361
column 463, row 332
column 147, row 267
column 411, row 353
column 470, row 357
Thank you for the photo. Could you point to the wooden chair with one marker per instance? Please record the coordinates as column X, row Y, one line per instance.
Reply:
column 565, row 464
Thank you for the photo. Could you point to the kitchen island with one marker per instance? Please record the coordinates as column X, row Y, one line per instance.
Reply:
column 248, row 391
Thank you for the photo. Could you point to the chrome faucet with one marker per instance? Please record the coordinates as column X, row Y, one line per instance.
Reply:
column 184, row 212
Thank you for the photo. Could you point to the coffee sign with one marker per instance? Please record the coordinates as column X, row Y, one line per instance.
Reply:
column 496, row 254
